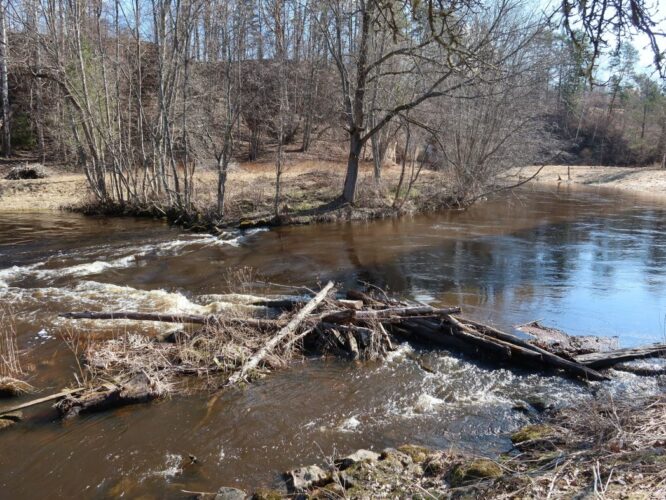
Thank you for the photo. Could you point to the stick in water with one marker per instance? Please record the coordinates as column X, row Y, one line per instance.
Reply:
column 291, row 327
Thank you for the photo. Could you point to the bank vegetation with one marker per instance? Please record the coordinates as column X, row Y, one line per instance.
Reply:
column 158, row 102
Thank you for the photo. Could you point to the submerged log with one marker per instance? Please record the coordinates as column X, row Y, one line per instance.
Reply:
column 642, row 371
column 608, row 359
column 138, row 389
column 291, row 328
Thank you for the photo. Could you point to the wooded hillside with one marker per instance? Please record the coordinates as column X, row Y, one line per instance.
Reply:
column 142, row 95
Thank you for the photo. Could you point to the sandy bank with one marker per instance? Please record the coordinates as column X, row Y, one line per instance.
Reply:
column 37, row 195
column 66, row 189
column 648, row 181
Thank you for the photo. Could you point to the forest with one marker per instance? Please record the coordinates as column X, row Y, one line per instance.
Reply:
column 159, row 101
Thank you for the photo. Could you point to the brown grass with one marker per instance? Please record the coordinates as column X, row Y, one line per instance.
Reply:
column 606, row 449
column 10, row 363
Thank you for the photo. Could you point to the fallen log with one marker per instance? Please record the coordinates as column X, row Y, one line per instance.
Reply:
column 610, row 358
column 195, row 319
column 138, row 389
column 365, row 298
column 573, row 367
column 502, row 346
column 291, row 327
column 562, row 343
column 502, row 349
column 38, row 401
column 351, row 315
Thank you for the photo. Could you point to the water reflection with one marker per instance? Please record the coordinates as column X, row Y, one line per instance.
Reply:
column 577, row 260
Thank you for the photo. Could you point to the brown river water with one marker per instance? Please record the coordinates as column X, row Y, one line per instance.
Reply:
column 587, row 262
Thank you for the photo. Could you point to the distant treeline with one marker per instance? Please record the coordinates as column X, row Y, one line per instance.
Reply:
column 140, row 94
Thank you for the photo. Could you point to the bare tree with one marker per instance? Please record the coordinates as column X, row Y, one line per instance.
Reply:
column 4, row 80
column 416, row 48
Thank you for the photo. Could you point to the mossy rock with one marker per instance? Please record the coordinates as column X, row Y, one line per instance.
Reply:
column 538, row 403
column 393, row 461
column 531, row 433
column 435, row 466
column 267, row 494
column 417, row 453
column 473, row 471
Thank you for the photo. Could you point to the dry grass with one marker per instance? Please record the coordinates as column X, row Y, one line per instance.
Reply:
column 214, row 351
column 308, row 185
column 607, row 449
column 10, row 363
column 604, row 450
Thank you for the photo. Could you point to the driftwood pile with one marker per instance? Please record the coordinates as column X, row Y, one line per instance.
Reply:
column 227, row 349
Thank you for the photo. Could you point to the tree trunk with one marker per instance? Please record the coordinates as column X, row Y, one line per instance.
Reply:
column 4, row 81
column 221, row 183
column 355, row 147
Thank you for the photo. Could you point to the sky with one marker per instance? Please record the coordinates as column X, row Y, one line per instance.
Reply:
column 639, row 41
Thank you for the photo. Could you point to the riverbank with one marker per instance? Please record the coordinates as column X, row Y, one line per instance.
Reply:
column 600, row 449
column 308, row 186
column 59, row 189
column 309, row 192
column 644, row 181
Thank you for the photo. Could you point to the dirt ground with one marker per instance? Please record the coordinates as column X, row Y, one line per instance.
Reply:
column 249, row 185
column 647, row 181
column 64, row 188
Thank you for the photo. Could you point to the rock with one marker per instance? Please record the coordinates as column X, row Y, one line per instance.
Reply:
column 306, row 477
column 267, row 494
column 473, row 471
column 539, row 404
column 531, row 433
column 416, row 453
column 26, row 172
column 227, row 493
column 358, row 456
column 522, row 407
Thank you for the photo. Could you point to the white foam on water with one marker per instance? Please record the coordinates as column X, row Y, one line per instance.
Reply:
column 427, row 403
column 398, row 354
column 96, row 267
column 13, row 273
column 119, row 296
column 99, row 265
column 350, row 424
column 173, row 467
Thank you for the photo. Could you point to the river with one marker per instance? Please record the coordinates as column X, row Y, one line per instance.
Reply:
column 585, row 261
